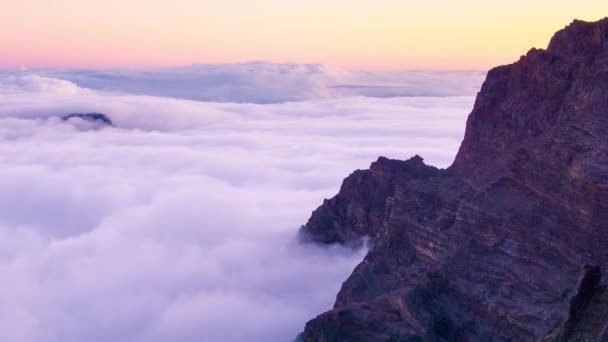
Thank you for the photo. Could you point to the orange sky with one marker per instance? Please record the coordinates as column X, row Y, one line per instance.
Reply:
column 354, row 34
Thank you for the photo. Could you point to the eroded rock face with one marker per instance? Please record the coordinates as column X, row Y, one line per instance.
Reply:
column 492, row 248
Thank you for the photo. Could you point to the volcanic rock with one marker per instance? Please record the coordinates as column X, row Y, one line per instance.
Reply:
column 508, row 243
column 89, row 117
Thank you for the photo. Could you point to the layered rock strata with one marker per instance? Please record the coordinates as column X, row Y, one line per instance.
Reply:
column 500, row 245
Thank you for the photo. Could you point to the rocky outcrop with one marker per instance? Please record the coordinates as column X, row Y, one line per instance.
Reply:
column 491, row 248
column 359, row 209
column 89, row 117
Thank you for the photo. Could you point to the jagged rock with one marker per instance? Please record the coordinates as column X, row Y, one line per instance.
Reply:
column 90, row 117
column 359, row 208
column 489, row 249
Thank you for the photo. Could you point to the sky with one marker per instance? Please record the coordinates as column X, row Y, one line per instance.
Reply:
column 350, row 34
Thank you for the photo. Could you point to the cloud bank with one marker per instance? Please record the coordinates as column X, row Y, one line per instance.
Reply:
column 178, row 224
column 264, row 82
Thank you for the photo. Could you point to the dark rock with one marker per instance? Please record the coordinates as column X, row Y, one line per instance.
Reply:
column 588, row 287
column 489, row 249
column 591, row 323
column 359, row 208
column 90, row 117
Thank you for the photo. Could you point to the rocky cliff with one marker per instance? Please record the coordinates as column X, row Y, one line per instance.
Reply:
column 507, row 244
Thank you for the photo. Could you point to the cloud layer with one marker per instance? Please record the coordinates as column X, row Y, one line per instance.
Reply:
column 179, row 223
column 263, row 82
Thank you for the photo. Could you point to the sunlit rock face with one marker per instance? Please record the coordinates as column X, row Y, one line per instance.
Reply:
column 501, row 246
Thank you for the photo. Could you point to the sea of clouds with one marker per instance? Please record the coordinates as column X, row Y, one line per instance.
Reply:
column 179, row 222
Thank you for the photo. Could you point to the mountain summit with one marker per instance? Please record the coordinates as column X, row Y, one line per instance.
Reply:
column 507, row 244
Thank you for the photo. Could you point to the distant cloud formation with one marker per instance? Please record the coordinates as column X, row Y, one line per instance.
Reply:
column 264, row 82
column 36, row 84
column 179, row 223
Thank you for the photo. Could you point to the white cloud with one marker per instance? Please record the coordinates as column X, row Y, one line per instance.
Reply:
column 179, row 223
column 263, row 82
column 39, row 84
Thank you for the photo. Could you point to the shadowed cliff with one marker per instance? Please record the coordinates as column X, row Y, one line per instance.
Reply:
column 508, row 243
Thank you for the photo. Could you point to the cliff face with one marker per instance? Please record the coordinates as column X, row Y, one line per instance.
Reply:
column 498, row 246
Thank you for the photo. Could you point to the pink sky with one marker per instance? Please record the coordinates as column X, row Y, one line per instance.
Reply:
column 364, row 34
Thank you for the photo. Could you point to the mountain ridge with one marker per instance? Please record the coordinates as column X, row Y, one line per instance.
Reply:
column 500, row 245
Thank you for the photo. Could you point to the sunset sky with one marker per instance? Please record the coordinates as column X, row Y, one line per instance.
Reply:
column 352, row 34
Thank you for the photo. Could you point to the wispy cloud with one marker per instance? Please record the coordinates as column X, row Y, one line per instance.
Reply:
column 263, row 82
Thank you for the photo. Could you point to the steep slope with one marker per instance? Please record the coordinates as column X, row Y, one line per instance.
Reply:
column 497, row 246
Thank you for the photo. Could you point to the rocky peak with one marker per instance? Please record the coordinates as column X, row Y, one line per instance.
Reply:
column 89, row 117
column 359, row 208
column 581, row 39
column 531, row 97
